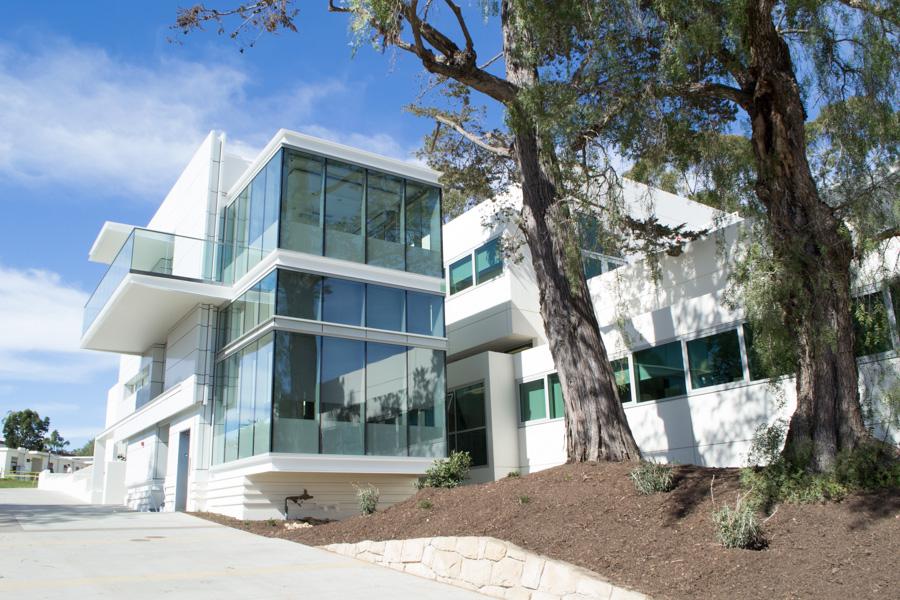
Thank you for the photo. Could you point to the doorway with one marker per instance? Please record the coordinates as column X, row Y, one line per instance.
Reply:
column 184, row 461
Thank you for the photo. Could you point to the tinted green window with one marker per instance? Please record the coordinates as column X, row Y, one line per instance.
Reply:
column 344, row 211
column 715, row 359
column 230, row 400
column 870, row 321
column 622, row 373
column 423, row 229
column 461, row 274
column 219, row 416
column 424, row 313
column 301, row 208
column 263, row 396
column 488, row 261
column 593, row 266
column 532, row 402
column 660, row 372
column 384, row 212
column 557, row 407
column 473, row 442
column 755, row 361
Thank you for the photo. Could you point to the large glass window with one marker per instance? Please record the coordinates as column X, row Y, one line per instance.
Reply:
column 466, row 423
column 301, row 209
column 246, row 387
column 425, row 389
column 230, row 400
column 488, row 261
column 870, row 321
column 342, row 396
column 660, row 372
column 262, row 427
column 299, row 295
column 386, row 399
column 255, row 306
column 218, row 452
column 532, row 402
column 296, row 393
column 384, row 307
column 715, row 359
column 343, row 301
column 622, row 373
column 344, row 211
column 557, row 406
column 460, row 274
column 423, row 229
column 384, row 220
column 424, row 314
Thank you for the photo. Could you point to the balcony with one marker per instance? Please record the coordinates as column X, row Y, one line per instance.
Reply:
column 152, row 282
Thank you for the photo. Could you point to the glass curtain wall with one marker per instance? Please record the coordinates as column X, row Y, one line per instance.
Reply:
column 423, row 229
column 243, row 405
column 301, row 210
column 384, row 221
column 344, row 186
column 250, row 223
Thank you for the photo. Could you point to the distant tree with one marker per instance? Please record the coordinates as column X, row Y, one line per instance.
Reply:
column 25, row 429
column 55, row 443
column 87, row 449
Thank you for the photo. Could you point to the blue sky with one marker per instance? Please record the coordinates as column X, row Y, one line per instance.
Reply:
column 98, row 115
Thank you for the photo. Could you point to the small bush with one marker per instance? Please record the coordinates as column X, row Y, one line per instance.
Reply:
column 271, row 522
column 524, row 500
column 872, row 466
column 739, row 527
column 447, row 472
column 367, row 497
column 513, row 474
column 424, row 504
column 651, row 478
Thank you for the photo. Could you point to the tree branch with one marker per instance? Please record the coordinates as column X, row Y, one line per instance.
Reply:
column 881, row 12
column 462, row 25
column 475, row 139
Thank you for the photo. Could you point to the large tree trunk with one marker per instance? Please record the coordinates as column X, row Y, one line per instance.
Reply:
column 815, row 248
column 596, row 426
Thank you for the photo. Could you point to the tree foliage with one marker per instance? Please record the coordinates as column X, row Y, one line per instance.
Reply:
column 25, row 429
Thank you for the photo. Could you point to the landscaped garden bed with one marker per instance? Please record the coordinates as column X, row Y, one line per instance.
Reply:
column 661, row 544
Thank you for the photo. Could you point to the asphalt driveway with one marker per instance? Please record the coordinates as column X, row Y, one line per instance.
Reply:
column 52, row 547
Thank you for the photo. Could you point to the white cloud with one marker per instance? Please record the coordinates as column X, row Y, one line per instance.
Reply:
column 41, row 329
column 76, row 115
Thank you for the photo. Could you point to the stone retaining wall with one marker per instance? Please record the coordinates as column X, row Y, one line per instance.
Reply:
column 489, row 566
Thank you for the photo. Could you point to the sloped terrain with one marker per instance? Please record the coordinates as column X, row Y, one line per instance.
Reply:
column 663, row 545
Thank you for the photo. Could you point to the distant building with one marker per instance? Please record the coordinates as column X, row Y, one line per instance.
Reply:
column 19, row 461
column 282, row 330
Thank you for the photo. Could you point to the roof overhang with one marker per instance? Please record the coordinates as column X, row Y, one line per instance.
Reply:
column 109, row 241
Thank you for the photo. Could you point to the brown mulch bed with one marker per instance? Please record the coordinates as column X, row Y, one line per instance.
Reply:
column 663, row 545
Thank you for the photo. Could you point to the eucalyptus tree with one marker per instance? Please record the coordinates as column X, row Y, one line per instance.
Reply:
column 825, row 188
column 557, row 77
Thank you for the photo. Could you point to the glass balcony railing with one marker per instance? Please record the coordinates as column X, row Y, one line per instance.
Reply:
column 155, row 253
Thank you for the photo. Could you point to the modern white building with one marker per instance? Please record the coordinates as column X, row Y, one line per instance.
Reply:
column 299, row 324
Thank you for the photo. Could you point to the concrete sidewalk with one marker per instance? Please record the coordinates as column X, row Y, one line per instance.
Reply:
column 52, row 547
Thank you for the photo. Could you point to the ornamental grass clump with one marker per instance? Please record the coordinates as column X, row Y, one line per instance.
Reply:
column 739, row 527
column 652, row 478
column 367, row 497
column 447, row 472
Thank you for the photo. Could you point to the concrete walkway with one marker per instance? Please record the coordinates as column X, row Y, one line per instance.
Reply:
column 52, row 547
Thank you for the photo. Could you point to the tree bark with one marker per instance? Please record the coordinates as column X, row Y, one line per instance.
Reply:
column 815, row 248
column 596, row 426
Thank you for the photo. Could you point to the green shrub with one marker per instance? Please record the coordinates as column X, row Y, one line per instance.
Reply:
column 447, row 472
column 513, row 474
column 872, row 466
column 424, row 504
column 739, row 527
column 271, row 522
column 651, row 478
column 524, row 500
column 367, row 497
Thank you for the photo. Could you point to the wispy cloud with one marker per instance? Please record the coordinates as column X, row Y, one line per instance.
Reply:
column 75, row 115
column 41, row 329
